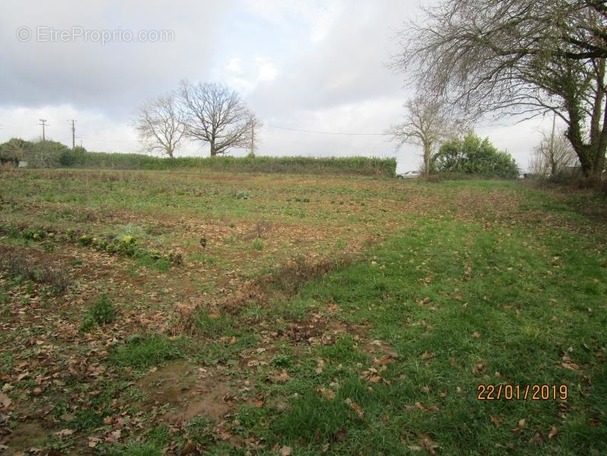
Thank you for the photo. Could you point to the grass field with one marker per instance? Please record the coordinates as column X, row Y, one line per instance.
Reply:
column 174, row 312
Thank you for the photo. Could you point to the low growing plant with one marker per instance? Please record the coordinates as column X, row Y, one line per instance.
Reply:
column 102, row 312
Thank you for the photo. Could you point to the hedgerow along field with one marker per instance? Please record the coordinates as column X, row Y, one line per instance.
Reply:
column 189, row 312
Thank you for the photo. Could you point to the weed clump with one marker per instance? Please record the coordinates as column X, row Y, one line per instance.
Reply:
column 20, row 268
column 102, row 312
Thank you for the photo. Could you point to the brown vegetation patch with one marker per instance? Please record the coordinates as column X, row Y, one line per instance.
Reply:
column 188, row 390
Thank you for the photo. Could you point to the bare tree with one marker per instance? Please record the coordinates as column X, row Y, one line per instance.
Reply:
column 553, row 155
column 519, row 57
column 159, row 124
column 216, row 115
column 426, row 124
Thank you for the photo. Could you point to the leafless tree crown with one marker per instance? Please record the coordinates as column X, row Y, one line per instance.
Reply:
column 215, row 114
column 553, row 155
column 159, row 124
column 427, row 122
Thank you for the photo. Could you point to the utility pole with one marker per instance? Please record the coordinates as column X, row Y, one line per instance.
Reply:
column 73, row 133
column 254, row 124
column 43, row 123
column 552, row 158
column 253, row 139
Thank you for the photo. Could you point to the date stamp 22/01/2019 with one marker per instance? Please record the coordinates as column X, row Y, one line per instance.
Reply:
column 532, row 392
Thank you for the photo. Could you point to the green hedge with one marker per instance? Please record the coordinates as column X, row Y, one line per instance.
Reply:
column 293, row 165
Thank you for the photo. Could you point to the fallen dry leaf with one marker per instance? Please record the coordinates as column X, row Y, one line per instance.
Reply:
column 569, row 364
column 427, row 355
column 113, row 436
column 354, row 406
column 320, row 364
column 427, row 443
column 93, row 442
column 372, row 376
column 553, row 432
column 7, row 387
column 476, row 335
column 421, row 406
column 188, row 448
column 520, row 426
column 286, row 451
column 478, row 368
column 384, row 360
column 5, row 401
column 326, row 393
column 283, row 377
column 497, row 420
column 537, row 439
column 64, row 433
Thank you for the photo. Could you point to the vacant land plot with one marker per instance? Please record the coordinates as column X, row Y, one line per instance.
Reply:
column 193, row 313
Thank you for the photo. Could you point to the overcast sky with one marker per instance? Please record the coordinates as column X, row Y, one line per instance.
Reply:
column 311, row 65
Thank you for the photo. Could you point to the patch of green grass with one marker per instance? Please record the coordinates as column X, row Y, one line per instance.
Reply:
column 147, row 351
column 158, row 264
column 215, row 325
column 457, row 306
column 133, row 448
column 87, row 419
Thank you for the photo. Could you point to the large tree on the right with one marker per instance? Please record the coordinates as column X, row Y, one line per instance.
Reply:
column 521, row 57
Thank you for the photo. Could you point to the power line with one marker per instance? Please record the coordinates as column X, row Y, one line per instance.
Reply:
column 108, row 140
column 329, row 132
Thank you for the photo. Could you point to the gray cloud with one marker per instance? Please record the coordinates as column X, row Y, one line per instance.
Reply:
column 79, row 69
column 349, row 65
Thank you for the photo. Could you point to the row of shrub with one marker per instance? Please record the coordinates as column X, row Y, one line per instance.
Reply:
column 117, row 245
column 51, row 154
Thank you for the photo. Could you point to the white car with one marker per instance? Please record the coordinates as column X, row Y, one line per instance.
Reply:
column 408, row 175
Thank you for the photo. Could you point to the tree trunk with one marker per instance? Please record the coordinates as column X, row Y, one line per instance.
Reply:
column 427, row 151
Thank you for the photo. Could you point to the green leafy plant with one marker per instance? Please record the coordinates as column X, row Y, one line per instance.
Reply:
column 102, row 312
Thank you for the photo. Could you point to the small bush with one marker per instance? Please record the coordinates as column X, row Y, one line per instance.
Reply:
column 102, row 312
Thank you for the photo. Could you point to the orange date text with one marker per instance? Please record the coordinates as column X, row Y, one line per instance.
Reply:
column 532, row 392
